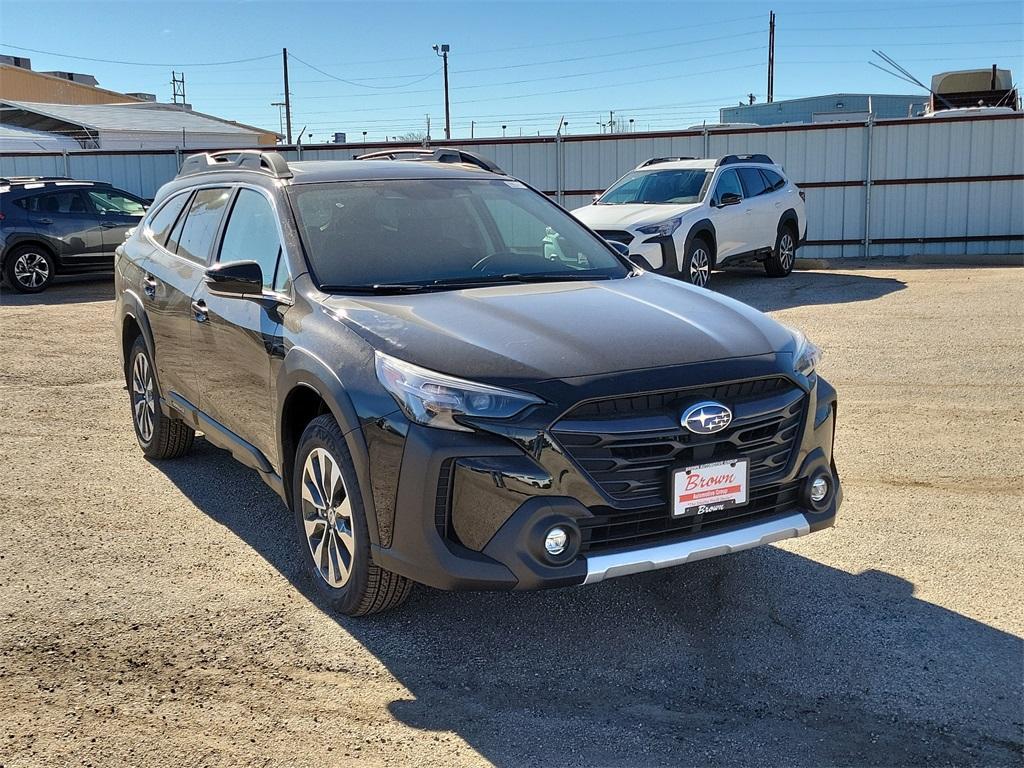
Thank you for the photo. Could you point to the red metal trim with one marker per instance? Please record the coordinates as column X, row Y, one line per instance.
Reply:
column 948, row 179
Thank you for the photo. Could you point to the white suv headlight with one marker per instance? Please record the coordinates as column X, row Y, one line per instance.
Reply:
column 434, row 399
column 807, row 354
column 662, row 229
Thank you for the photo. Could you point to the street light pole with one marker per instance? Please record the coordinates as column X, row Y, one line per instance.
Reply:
column 442, row 50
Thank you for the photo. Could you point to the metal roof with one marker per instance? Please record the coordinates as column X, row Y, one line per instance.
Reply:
column 15, row 139
column 123, row 117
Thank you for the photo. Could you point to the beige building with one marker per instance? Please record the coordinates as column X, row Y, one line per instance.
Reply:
column 21, row 84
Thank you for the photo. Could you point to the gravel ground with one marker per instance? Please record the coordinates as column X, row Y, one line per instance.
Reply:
column 156, row 614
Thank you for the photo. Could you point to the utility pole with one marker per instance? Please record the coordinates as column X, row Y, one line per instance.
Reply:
column 280, row 115
column 771, row 56
column 472, row 128
column 442, row 50
column 287, row 97
column 611, row 121
column 178, row 86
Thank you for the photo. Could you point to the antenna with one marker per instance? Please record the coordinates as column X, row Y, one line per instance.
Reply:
column 904, row 74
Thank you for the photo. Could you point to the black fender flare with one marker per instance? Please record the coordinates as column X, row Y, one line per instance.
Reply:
column 302, row 368
column 132, row 308
column 789, row 217
column 703, row 227
column 26, row 238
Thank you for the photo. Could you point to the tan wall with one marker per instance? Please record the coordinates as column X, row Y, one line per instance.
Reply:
column 19, row 84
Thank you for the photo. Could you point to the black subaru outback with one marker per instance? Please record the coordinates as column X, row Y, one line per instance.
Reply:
column 449, row 380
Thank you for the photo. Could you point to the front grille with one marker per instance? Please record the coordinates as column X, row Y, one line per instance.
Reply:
column 611, row 528
column 629, row 445
column 618, row 235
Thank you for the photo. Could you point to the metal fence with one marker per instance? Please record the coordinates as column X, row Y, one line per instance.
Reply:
column 885, row 188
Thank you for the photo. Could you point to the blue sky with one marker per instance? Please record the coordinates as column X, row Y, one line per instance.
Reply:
column 666, row 65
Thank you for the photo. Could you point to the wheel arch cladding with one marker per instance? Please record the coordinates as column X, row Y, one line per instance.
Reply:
column 703, row 230
column 134, row 323
column 306, row 383
column 789, row 218
column 19, row 240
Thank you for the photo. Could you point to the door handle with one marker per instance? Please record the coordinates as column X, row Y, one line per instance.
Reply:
column 149, row 284
column 109, row 224
column 44, row 221
column 199, row 311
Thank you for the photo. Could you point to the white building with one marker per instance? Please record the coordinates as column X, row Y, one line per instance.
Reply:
column 129, row 126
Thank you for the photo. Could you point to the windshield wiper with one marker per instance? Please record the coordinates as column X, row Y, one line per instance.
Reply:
column 376, row 288
column 550, row 277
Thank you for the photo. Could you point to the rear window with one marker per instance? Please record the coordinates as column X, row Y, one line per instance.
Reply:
column 753, row 182
column 202, row 223
column 70, row 201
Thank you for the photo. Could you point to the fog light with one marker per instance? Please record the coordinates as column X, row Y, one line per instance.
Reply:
column 819, row 490
column 556, row 541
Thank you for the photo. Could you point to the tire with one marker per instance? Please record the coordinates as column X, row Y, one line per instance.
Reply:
column 159, row 436
column 780, row 262
column 29, row 269
column 697, row 264
column 330, row 523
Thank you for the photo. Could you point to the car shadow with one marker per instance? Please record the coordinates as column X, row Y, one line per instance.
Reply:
column 752, row 287
column 65, row 289
column 764, row 657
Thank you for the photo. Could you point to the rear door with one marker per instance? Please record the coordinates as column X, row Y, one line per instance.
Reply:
column 763, row 219
column 66, row 222
column 117, row 212
column 236, row 337
column 173, row 274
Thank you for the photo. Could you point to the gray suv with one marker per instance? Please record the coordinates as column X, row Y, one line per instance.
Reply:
column 51, row 226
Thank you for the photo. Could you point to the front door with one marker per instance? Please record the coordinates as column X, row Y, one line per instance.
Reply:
column 173, row 274
column 234, row 343
column 117, row 213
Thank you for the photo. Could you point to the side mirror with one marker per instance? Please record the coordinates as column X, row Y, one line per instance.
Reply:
column 594, row 199
column 622, row 248
column 236, row 278
column 729, row 198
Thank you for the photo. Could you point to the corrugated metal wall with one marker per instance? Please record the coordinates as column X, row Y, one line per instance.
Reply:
column 937, row 185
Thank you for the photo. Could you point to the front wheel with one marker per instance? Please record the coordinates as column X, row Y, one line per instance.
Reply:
column 331, row 525
column 780, row 262
column 697, row 264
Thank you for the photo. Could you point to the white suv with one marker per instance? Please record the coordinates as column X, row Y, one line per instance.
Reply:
column 686, row 217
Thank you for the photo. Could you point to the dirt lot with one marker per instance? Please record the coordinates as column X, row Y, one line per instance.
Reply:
column 156, row 615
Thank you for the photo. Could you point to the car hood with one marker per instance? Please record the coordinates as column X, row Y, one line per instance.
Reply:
column 629, row 216
column 535, row 332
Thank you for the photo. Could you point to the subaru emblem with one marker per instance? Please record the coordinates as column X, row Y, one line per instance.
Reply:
column 706, row 418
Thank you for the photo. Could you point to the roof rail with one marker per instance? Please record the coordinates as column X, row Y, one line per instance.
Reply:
column 272, row 163
column 439, row 155
column 730, row 159
column 656, row 160
column 31, row 179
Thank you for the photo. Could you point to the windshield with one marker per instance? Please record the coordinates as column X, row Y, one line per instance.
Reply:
column 406, row 234
column 665, row 186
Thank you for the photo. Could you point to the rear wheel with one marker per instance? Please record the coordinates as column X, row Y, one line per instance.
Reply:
column 780, row 262
column 331, row 525
column 697, row 264
column 29, row 269
column 159, row 436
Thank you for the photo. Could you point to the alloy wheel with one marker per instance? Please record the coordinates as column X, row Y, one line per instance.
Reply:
column 143, row 397
column 31, row 270
column 700, row 268
column 787, row 251
column 327, row 517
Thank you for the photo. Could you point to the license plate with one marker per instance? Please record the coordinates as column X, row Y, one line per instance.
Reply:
column 710, row 487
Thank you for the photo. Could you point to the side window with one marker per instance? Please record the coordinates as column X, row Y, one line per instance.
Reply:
column 116, row 202
column 753, row 182
column 251, row 235
column 728, row 182
column 161, row 222
column 201, row 224
column 773, row 180
column 70, row 201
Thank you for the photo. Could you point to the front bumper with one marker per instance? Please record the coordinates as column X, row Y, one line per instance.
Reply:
column 471, row 511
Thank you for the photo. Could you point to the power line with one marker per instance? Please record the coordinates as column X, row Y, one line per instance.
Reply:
column 360, row 85
column 139, row 63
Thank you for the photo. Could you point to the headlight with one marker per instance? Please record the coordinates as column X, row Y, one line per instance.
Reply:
column 807, row 354
column 434, row 399
column 663, row 229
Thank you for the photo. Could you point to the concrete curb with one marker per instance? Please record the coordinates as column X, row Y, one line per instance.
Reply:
column 907, row 262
